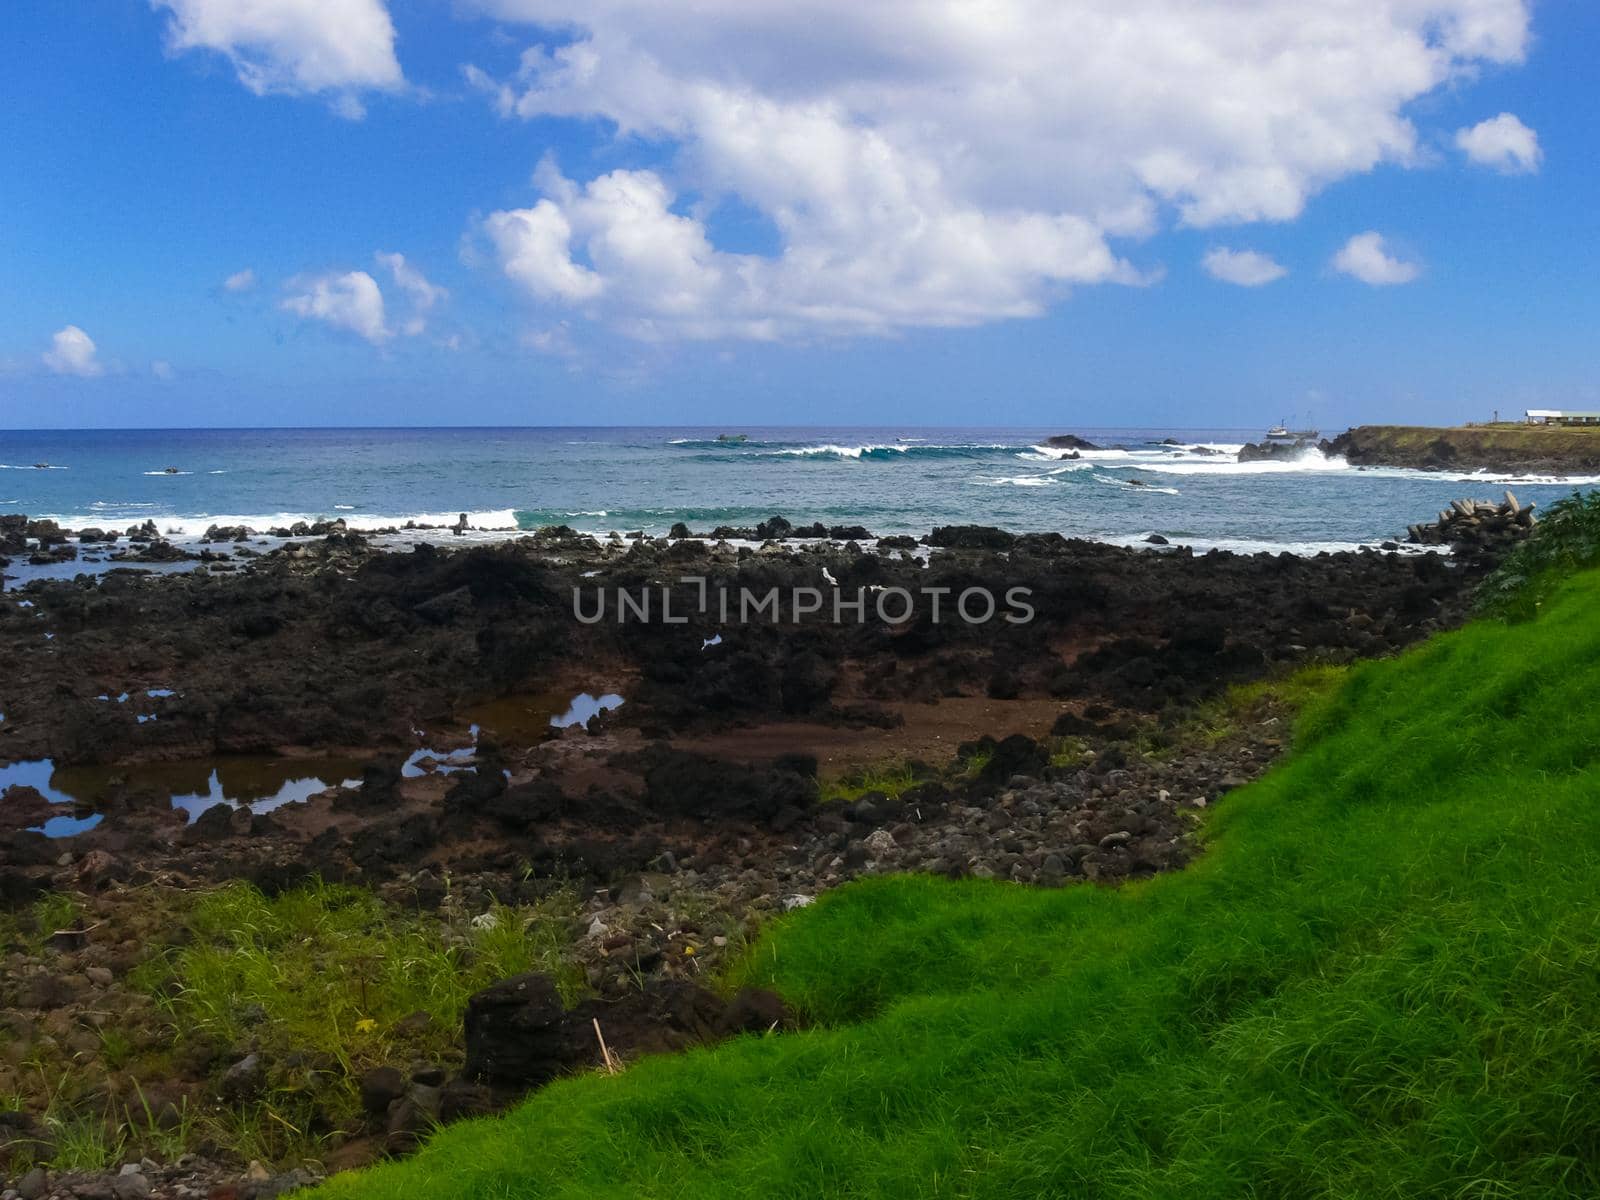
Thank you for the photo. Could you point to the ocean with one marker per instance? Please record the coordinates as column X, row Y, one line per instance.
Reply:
column 1184, row 484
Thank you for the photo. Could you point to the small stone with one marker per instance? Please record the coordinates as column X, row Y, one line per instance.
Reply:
column 880, row 843
column 427, row 1074
column 1120, row 838
column 33, row 1185
column 244, row 1079
column 256, row 1173
column 131, row 1187
column 381, row 1087
column 101, row 976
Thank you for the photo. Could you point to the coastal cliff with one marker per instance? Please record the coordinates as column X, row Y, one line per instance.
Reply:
column 1536, row 449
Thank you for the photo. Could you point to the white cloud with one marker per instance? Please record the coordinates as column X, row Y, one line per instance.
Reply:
column 535, row 249
column 352, row 302
column 1504, row 143
column 240, row 281
column 1247, row 268
column 1365, row 257
column 947, row 164
column 422, row 294
column 162, row 370
column 297, row 47
column 72, row 352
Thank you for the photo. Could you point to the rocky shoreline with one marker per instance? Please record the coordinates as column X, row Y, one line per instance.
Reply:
column 1506, row 448
column 739, row 771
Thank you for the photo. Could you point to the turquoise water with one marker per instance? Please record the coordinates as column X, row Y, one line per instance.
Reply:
column 891, row 479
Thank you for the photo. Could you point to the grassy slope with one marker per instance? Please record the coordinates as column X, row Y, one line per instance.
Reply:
column 1383, row 980
column 1532, row 442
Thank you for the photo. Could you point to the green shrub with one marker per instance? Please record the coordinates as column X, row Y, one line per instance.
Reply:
column 1566, row 539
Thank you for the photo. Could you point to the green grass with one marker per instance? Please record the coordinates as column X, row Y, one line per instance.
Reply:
column 1382, row 980
column 1221, row 718
column 321, row 980
column 328, row 970
column 52, row 912
column 891, row 779
column 85, row 1144
column 1544, row 439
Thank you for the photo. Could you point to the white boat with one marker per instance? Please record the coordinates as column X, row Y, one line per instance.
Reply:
column 1282, row 433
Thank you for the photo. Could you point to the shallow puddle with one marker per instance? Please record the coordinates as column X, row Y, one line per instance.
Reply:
column 527, row 719
column 258, row 783
column 427, row 761
column 583, row 708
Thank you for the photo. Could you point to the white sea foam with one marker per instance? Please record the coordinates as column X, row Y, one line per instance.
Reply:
column 1017, row 481
column 1255, row 545
column 831, row 451
column 169, row 472
column 868, row 449
column 1135, row 486
column 195, row 526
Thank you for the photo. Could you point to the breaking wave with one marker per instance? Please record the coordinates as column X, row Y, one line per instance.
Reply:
column 711, row 450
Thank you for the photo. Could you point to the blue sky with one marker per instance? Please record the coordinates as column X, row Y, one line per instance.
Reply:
column 794, row 213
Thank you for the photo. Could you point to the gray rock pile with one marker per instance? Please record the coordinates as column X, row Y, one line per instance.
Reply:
column 1476, row 525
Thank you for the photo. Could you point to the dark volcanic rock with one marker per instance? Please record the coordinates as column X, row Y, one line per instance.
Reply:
column 519, row 1034
column 1273, row 451
column 679, row 783
column 971, row 537
column 22, row 807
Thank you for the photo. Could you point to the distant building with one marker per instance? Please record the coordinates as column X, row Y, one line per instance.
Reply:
column 1561, row 416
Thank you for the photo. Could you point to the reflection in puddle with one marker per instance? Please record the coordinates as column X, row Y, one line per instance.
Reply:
column 259, row 784
column 290, row 791
column 433, row 762
column 63, row 827
column 584, row 708
column 528, row 718
column 39, row 774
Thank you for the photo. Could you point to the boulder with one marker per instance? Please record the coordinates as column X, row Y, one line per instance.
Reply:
column 516, row 1032
column 381, row 1087
column 971, row 537
column 1069, row 441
